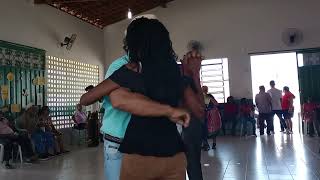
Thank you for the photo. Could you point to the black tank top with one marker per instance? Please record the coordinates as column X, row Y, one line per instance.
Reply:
column 148, row 136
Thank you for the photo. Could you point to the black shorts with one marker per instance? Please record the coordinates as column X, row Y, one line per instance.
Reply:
column 287, row 114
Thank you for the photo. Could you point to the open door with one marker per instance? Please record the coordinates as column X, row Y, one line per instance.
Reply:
column 282, row 68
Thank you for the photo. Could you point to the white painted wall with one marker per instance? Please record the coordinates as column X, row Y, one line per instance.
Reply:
column 232, row 29
column 44, row 27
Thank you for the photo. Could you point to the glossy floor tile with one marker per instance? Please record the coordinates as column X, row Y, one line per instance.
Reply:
column 276, row 157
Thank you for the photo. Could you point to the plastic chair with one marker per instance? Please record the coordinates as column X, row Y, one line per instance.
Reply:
column 1, row 152
column 73, row 128
column 19, row 153
column 83, row 137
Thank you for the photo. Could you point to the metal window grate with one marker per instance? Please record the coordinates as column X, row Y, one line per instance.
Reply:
column 215, row 74
column 67, row 80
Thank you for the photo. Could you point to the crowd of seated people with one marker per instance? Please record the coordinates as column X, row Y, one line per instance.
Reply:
column 30, row 123
column 310, row 116
column 9, row 135
column 238, row 113
column 230, row 115
column 247, row 115
column 34, row 131
column 235, row 113
column 220, row 115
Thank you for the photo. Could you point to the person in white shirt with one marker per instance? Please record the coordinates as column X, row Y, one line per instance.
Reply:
column 276, row 96
column 263, row 102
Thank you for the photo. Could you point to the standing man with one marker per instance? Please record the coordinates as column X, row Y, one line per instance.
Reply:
column 276, row 96
column 287, row 106
column 264, row 103
column 93, row 114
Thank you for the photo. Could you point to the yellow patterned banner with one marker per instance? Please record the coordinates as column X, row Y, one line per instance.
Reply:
column 4, row 92
column 15, row 108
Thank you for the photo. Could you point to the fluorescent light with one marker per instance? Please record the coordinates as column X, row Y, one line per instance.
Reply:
column 129, row 14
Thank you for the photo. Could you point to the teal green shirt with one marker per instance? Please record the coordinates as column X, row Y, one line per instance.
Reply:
column 114, row 121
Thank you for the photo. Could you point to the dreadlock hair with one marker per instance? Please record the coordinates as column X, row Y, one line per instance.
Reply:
column 148, row 42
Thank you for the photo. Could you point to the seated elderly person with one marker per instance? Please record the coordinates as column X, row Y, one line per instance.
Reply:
column 230, row 115
column 46, row 124
column 29, row 123
column 7, row 132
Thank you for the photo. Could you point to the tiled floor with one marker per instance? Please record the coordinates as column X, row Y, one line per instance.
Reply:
column 278, row 157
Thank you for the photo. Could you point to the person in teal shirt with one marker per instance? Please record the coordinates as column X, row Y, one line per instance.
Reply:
column 114, row 125
column 111, row 126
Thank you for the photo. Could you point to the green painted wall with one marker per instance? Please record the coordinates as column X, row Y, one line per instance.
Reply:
column 26, row 64
column 309, row 81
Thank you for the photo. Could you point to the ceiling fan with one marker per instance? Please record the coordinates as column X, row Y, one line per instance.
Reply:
column 68, row 41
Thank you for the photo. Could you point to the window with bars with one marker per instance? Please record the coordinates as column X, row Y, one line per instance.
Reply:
column 214, row 74
column 67, row 80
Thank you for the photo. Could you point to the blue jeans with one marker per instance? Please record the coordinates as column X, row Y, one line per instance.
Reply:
column 112, row 160
column 43, row 141
column 245, row 120
column 279, row 113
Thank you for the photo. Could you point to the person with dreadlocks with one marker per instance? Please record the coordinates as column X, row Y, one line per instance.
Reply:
column 144, row 141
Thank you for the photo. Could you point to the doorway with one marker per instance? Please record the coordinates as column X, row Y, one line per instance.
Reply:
column 283, row 69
